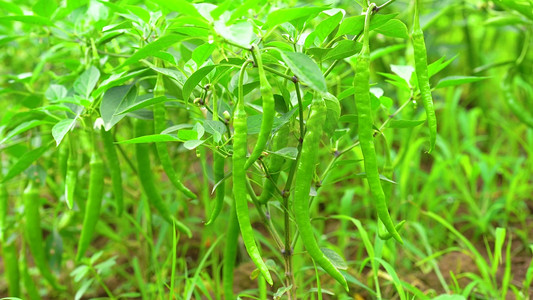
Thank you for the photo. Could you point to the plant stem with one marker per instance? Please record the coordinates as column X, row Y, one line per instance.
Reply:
column 382, row 6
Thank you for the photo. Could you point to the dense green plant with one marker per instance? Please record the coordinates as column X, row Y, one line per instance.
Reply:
column 322, row 123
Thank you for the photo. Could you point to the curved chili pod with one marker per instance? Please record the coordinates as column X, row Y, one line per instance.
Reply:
column 94, row 203
column 71, row 178
column 276, row 163
column 114, row 169
column 230, row 254
column 162, row 150
column 239, row 182
column 421, row 69
column 302, row 186
column 269, row 111
column 144, row 169
column 366, row 138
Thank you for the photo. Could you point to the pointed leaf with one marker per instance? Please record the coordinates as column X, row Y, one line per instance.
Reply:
column 141, row 104
column 24, row 162
column 394, row 28
column 85, row 84
column 113, row 100
column 194, row 79
column 288, row 14
column 61, row 129
column 306, row 70
column 458, row 80
column 154, row 47
column 153, row 138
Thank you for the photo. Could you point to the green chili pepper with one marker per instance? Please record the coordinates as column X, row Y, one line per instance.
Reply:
column 230, row 254
column 268, row 110
column 387, row 189
column 162, row 150
column 94, row 203
column 144, row 169
column 72, row 175
column 218, row 170
column 33, row 234
column 29, row 285
column 239, row 181
column 11, row 268
column 302, row 185
column 114, row 169
column 421, row 69
column 366, row 138
column 280, row 141
column 522, row 114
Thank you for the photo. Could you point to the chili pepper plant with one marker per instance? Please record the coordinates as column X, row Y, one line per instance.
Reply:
column 176, row 150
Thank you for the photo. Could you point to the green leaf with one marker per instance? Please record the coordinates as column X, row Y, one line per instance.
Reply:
column 154, row 47
column 202, row 53
column 253, row 124
column 141, row 104
column 437, row 66
column 45, row 8
column 195, row 79
column 306, row 70
column 287, row 152
column 182, row 6
column 335, row 258
column 215, row 128
column 458, row 80
column 55, row 92
column 113, row 100
column 115, row 80
column 449, row 297
column 394, row 28
column 385, row 50
column 241, row 33
column 355, row 25
column 11, row 7
column 405, row 123
column 333, row 113
column 174, row 74
column 176, row 128
column 498, row 245
column 283, row 15
column 404, row 72
column 33, row 20
column 154, row 138
column 188, row 135
column 61, row 129
column 344, row 49
column 140, row 12
column 521, row 7
column 322, row 30
column 193, row 144
column 86, row 284
column 85, row 84
column 23, row 127
column 24, row 162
